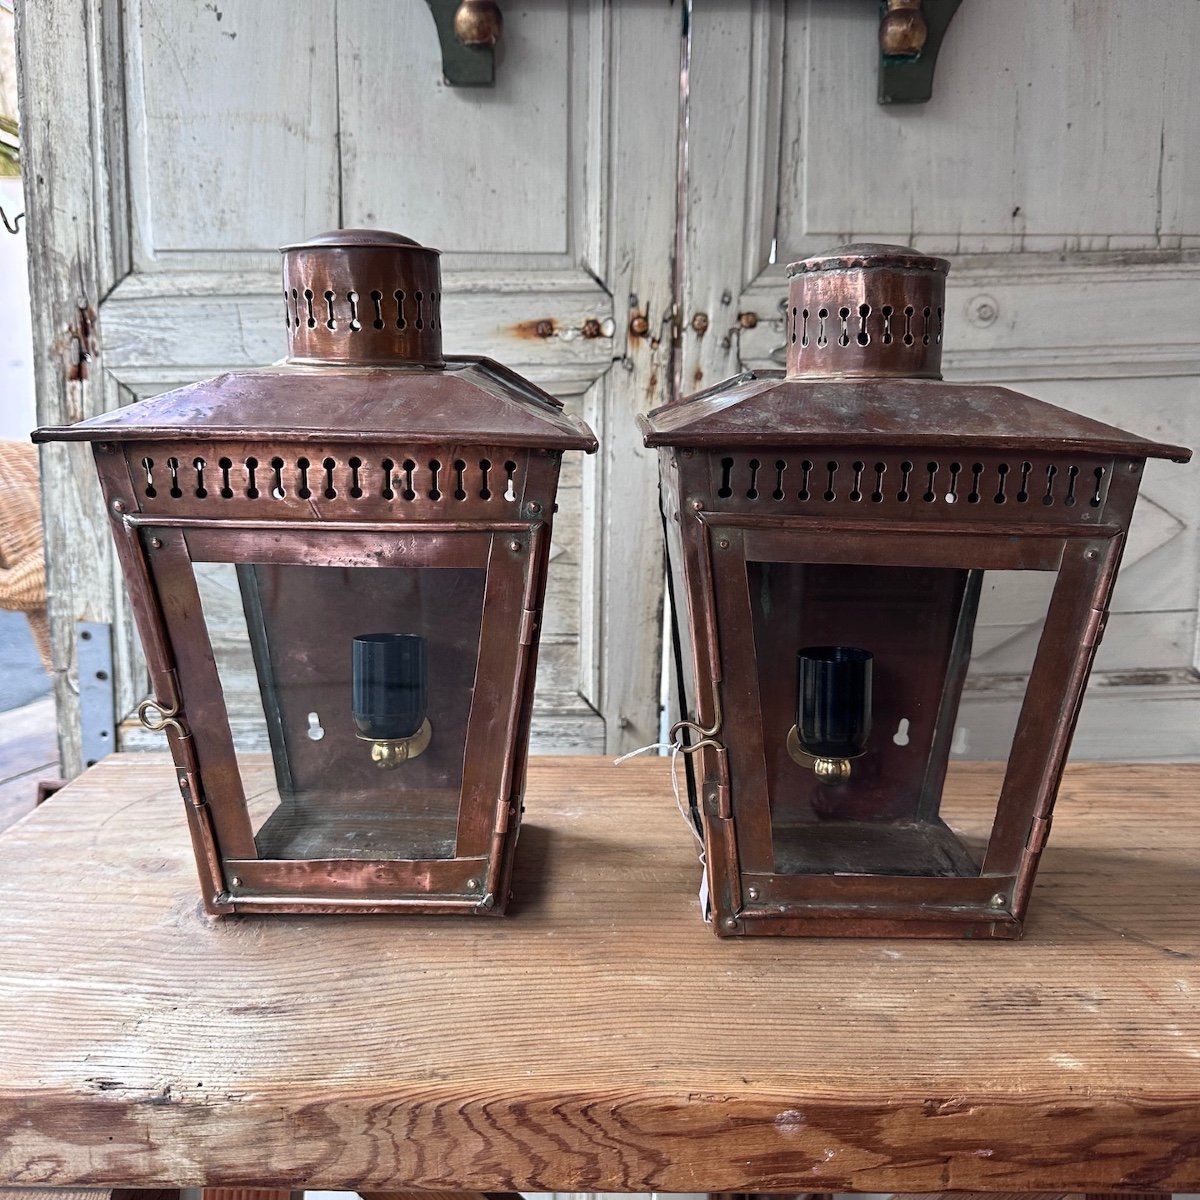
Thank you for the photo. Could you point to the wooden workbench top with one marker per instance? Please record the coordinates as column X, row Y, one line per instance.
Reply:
column 600, row 1037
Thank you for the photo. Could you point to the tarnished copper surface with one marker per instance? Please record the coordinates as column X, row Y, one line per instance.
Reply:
column 859, row 500
column 366, row 450
column 866, row 310
column 362, row 296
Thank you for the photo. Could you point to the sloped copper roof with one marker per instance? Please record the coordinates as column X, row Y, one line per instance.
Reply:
column 764, row 408
column 470, row 399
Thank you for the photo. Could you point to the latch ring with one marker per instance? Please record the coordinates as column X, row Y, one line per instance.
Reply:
column 166, row 717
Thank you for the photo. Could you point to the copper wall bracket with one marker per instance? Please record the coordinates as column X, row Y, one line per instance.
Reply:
column 910, row 36
column 468, row 31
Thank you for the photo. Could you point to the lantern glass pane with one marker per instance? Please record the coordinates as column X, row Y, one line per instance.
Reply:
column 876, row 683
column 349, row 693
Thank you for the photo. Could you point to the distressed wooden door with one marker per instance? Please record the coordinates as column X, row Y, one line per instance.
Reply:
column 1055, row 163
column 172, row 146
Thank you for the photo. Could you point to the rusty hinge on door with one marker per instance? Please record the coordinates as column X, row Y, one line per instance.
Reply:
column 83, row 344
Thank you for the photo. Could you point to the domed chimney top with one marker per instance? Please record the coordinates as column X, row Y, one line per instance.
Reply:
column 363, row 297
column 866, row 310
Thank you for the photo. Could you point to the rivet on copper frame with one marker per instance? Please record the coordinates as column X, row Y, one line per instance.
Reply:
column 118, row 506
column 697, row 504
column 156, row 543
column 724, row 543
column 514, row 544
column 472, row 885
column 998, row 900
column 752, row 893
column 730, row 922
column 236, row 881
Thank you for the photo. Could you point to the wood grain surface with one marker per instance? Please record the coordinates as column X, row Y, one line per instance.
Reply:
column 600, row 1037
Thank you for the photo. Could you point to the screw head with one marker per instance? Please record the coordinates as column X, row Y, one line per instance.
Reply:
column 156, row 543
column 639, row 326
column 752, row 893
column 998, row 900
column 118, row 506
column 724, row 543
column 748, row 320
column 697, row 505
column 1092, row 554
column 730, row 922
column 472, row 885
column 236, row 881
column 700, row 322
column 544, row 329
column 514, row 544
column 535, row 507
column 1134, row 468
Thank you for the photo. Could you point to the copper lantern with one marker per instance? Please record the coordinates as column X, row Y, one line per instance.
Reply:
column 837, row 536
column 358, row 538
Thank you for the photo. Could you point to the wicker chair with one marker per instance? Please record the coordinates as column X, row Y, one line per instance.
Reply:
column 22, row 563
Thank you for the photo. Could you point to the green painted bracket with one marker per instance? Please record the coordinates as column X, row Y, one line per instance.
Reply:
column 910, row 80
column 462, row 66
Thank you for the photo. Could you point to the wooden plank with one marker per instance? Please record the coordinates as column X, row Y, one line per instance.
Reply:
column 600, row 1037
column 70, row 267
column 623, row 580
column 170, row 327
column 232, row 138
column 475, row 181
column 1086, row 140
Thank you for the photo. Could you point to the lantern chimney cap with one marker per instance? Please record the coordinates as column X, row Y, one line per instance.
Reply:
column 869, row 256
column 357, row 238
column 363, row 297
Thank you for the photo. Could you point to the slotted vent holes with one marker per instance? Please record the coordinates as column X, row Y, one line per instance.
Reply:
column 401, row 479
column 861, row 324
column 352, row 312
column 920, row 481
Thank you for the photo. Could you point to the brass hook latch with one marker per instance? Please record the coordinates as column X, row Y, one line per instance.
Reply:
column 708, row 736
column 165, row 716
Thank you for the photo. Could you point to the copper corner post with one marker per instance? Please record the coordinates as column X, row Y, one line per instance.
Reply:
column 337, row 566
column 834, row 534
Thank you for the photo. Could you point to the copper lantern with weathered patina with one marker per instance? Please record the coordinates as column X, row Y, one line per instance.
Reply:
column 848, row 541
column 358, row 537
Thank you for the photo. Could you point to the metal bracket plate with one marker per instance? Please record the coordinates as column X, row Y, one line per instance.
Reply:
column 97, row 705
column 910, row 80
column 462, row 66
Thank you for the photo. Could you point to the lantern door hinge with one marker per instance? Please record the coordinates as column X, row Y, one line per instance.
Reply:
column 503, row 816
column 1093, row 631
column 721, row 787
column 1039, row 831
column 529, row 626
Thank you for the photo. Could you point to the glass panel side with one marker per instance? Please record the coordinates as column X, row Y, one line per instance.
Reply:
column 359, row 683
column 861, row 676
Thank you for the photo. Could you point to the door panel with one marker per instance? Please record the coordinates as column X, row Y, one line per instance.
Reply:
column 232, row 128
column 1065, row 190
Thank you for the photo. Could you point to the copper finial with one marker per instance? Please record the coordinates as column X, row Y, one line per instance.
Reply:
column 363, row 296
column 866, row 310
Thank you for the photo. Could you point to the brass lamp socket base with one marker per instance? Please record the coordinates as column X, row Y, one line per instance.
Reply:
column 830, row 771
column 387, row 756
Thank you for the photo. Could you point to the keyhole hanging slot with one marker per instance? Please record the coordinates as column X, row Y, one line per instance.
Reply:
column 900, row 737
column 315, row 729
